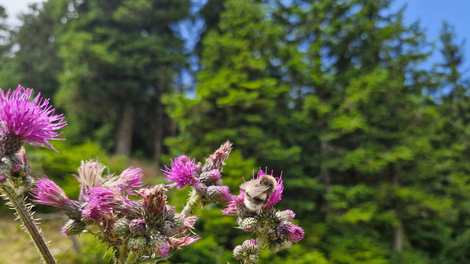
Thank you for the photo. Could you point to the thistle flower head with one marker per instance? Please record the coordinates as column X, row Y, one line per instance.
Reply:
column 250, row 246
column 286, row 215
column 210, row 177
column 154, row 204
column 182, row 173
column 219, row 194
column 48, row 193
column 34, row 122
column 137, row 227
column 129, row 180
column 188, row 223
column 236, row 203
column 90, row 174
column 290, row 232
column 162, row 247
column 218, row 158
column 277, row 194
column 73, row 227
column 183, row 241
column 102, row 201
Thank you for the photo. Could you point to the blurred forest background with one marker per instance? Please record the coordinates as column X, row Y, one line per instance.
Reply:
column 374, row 149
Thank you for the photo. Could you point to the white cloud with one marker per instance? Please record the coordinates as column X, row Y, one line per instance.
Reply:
column 14, row 8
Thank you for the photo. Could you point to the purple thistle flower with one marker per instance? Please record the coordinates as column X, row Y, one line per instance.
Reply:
column 249, row 246
column 34, row 122
column 189, row 223
column 137, row 227
column 128, row 180
column 154, row 204
column 289, row 231
column 183, row 241
column 131, row 178
column 90, row 174
column 286, row 215
column 236, row 202
column 182, row 173
column 102, row 202
column 277, row 194
column 162, row 247
column 217, row 160
column 48, row 192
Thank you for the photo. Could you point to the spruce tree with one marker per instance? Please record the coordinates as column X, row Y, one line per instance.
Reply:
column 120, row 57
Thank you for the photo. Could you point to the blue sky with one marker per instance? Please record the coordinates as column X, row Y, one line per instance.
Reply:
column 431, row 13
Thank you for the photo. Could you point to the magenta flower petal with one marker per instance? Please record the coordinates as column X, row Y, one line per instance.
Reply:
column 183, row 241
column 235, row 202
column 182, row 173
column 162, row 248
column 277, row 195
column 102, row 201
column 218, row 158
column 48, row 193
column 35, row 122
column 129, row 179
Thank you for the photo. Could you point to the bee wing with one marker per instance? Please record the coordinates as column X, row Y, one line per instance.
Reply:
column 249, row 184
column 258, row 189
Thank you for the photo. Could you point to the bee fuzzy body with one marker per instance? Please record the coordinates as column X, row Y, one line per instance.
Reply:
column 258, row 191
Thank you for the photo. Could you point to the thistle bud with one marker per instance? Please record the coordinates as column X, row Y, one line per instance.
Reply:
column 73, row 227
column 122, row 227
column 272, row 234
column 169, row 212
column 168, row 228
column 137, row 227
column 249, row 246
column 72, row 209
column 219, row 194
column 27, row 181
column 217, row 160
column 253, row 258
column 178, row 221
column 267, row 214
column 249, row 224
column 162, row 247
column 12, row 143
column 289, row 231
column 276, row 246
column 138, row 244
column 5, row 166
column 210, row 177
column 286, row 215
column 154, row 204
column 238, row 252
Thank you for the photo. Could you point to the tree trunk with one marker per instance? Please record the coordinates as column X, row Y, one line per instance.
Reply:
column 125, row 130
column 399, row 231
column 398, row 237
column 159, row 117
column 325, row 172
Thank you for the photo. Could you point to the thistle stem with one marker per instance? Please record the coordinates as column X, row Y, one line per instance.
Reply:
column 192, row 202
column 28, row 221
column 131, row 257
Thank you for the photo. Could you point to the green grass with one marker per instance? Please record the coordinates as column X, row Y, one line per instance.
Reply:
column 17, row 246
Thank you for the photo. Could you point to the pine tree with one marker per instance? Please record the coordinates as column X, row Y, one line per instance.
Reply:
column 119, row 58
column 236, row 96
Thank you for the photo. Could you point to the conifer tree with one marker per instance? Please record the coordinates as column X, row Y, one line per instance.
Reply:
column 119, row 58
